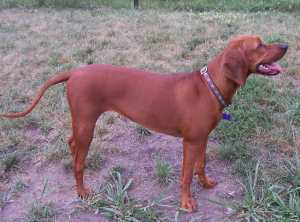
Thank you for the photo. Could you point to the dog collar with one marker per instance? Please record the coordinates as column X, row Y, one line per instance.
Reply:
column 213, row 88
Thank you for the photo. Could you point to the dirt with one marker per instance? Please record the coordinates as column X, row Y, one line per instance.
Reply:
column 123, row 146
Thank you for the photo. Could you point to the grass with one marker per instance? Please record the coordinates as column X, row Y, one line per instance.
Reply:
column 41, row 212
column 114, row 202
column 163, row 172
column 265, row 113
column 10, row 162
column 270, row 201
column 142, row 131
column 195, row 5
column 256, row 109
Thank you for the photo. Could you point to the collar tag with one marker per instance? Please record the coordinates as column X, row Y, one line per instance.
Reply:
column 226, row 116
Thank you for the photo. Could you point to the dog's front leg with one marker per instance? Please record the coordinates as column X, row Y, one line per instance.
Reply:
column 190, row 153
column 199, row 169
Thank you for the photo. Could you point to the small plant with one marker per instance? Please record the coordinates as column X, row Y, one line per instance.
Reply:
column 143, row 131
column 55, row 59
column 10, row 162
column 67, row 164
column 275, row 38
column 117, row 169
column 114, row 202
column 192, row 44
column 110, row 120
column 265, row 201
column 163, row 172
column 41, row 212
column 5, row 198
column 94, row 160
column 20, row 186
column 57, row 151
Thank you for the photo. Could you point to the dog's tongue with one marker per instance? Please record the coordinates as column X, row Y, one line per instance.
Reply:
column 274, row 67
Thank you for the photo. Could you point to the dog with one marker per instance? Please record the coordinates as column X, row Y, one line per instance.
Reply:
column 187, row 105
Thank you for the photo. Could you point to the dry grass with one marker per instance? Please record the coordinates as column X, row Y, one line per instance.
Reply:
column 47, row 41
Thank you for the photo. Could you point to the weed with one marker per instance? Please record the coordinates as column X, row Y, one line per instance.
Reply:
column 7, row 47
column 7, row 28
column 94, row 160
column 265, row 201
column 67, row 164
column 101, row 131
column 56, row 151
column 142, row 131
column 41, row 212
column 20, row 186
column 111, row 119
column 55, row 59
column 114, row 202
column 84, row 55
column 276, row 38
column 5, row 198
column 10, row 162
column 163, row 172
column 117, row 169
column 192, row 44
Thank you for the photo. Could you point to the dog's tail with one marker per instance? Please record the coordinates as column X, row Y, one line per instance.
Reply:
column 61, row 77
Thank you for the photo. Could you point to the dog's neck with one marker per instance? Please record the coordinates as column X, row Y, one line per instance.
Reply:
column 226, row 86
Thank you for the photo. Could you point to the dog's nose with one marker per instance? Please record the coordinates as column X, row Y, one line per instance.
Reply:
column 284, row 46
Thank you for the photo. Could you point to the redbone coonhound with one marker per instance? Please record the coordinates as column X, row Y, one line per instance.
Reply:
column 181, row 104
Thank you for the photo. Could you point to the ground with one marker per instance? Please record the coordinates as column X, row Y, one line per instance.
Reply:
column 37, row 43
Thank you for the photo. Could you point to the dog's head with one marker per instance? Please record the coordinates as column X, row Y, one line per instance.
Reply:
column 249, row 54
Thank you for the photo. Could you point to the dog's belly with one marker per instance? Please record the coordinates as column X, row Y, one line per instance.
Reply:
column 158, row 123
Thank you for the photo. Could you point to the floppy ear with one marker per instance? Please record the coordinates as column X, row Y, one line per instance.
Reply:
column 234, row 66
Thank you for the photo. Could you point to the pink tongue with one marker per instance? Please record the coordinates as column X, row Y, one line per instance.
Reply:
column 274, row 67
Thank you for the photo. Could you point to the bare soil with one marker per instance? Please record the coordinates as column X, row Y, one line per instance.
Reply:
column 137, row 155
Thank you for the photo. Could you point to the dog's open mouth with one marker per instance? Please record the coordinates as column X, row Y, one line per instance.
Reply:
column 269, row 69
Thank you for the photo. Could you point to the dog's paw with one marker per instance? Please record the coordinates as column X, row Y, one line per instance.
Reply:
column 189, row 204
column 207, row 182
column 83, row 193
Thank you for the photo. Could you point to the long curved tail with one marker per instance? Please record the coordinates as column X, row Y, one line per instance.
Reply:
column 61, row 77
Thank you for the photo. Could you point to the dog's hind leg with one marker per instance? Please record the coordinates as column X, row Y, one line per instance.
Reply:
column 83, row 130
column 71, row 143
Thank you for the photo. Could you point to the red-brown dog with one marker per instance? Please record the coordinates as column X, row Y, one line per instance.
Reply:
column 187, row 105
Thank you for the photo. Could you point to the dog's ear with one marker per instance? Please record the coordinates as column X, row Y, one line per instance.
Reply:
column 234, row 66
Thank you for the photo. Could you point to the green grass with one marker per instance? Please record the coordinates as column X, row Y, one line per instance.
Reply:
column 114, row 202
column 142, row 131
column 195, row 5
column 269, row 201
column 256, row 109
column 41, row 212
column 10, row 162
column 163, row 172
column 266, row 112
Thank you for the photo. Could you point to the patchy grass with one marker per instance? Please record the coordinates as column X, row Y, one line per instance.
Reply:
column 266, row 112
column 10, row 162
column 114, row 202
column 267, row 200
column 195, row 5
column 41, row 212
column 94, row 160
column 163, row 172
column 257, row 108
column 142, row 131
